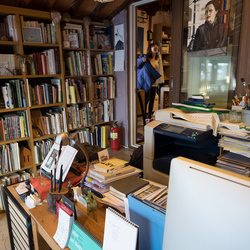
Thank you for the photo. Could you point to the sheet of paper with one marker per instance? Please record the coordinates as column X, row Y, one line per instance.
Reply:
column 64, row 227
column 21, row 188
column 119, row 47
column 103, row 155
column 66, row 158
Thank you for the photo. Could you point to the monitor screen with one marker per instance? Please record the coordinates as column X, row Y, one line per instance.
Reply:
column 208, row 208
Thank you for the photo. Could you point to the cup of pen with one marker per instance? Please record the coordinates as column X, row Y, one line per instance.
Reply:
column 56, row 191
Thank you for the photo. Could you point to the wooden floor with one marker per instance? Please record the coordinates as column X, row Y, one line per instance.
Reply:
column 123, row 153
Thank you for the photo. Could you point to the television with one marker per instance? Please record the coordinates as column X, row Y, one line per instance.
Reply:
column 207, row 208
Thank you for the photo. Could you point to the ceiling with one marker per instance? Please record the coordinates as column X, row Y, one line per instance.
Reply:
column 76, row 8
column 81, row 8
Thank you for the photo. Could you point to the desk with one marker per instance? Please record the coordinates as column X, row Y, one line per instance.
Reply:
column 44, row 223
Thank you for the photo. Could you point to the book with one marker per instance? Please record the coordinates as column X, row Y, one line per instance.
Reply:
column 110, row 165
column 125, row 186
column 105, row 176
column 119, row 232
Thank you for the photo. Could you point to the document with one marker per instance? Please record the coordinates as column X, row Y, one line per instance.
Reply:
column 65, row 222
column 119, row 233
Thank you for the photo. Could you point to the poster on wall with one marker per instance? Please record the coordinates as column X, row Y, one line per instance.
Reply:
column 119, row 47
column 208, row 27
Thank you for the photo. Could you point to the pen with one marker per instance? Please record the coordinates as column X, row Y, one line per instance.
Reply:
column 54, row 179
column 51, row 181
column 60, row 181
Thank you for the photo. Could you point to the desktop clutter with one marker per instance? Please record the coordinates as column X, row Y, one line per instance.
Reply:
column 111, row 184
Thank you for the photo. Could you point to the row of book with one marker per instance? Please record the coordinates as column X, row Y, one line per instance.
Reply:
column 74, row 35
column 9, row 158
column 102, row 64
column 77, row 63
column 8, row 65
column 44, row 63
column 225, row 5
column 76, row 91
column 48, row 31
column 104, row 87
column 50, row 122
column 14, row 125
column 103, row 111
column 102, row 135
column 14, row 94
column 100, row 38
column 8, row 29
column 46, row 93
column 85, row 135
column 79, row 116
column 16, row 178
column 41, row 149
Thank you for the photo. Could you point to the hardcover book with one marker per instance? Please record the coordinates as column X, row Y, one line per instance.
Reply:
column 110, row 165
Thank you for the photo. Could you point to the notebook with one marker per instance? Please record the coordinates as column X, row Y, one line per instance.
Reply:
column 119, row 233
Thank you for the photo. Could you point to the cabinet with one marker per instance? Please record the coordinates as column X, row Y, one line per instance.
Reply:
column 42, row 76
column 162, row 35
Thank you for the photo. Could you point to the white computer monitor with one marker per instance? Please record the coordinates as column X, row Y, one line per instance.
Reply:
column 208, row 208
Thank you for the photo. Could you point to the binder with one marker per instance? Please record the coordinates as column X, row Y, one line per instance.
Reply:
column 81, row 237
column 150, row 221
column 119, row 233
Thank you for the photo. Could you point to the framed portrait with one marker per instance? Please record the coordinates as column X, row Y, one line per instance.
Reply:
column 32, row 35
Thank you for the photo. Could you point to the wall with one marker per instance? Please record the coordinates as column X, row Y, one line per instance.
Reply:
column 122, row 85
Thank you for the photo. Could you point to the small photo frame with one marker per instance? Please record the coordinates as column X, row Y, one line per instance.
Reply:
column 32, row 35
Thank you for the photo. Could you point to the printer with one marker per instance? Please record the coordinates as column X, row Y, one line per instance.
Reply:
column 175, row 133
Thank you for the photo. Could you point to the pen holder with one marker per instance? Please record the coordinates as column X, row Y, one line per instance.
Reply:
column 53, row 197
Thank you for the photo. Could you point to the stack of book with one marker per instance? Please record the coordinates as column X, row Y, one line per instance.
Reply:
column 79, row 116
column 76, row 91
column 194, row 103
column 8, row 29
column 103, row 111
column 84, row 135
column 14, row 94
column 77, row 63
column 102, row 133
column 44, row 63
column 102, row 175
column 8, row 65
column 102, row 64
column 13, row 125
column 46, row 93
column 48, row 31
column 74, row 36
column 104, row 87
column 41, row 149
column 100, row 38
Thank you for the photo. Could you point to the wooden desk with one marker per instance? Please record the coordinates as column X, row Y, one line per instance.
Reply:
column 44, row 223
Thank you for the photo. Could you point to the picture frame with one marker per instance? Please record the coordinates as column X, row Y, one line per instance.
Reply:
column 32, row 35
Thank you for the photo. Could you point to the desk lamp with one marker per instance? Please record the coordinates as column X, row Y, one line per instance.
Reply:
column 72, row 140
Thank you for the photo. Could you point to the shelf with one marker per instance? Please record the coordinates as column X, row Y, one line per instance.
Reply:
column 166, row 64
column 77, row 49
column 11, row 110
column 101, row 75
column 41, row 44
column 76, row 76
column 42, row 76
column 44, row 137
column 9, row 43
column 11, row 77
column 14, row 140
column 99, row 123
column 78, row 103
column 1, row 175
column 46, row 105
column 73, row 129
column 101, row 50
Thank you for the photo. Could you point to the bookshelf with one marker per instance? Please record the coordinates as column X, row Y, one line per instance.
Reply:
column 46, row 105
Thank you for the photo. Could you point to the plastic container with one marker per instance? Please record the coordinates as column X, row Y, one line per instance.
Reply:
column 235, row 116
column 246, row 117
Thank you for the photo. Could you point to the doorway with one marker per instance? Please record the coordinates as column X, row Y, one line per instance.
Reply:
column 144, row 16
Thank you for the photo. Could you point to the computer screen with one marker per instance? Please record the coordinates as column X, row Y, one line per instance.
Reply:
column 207, row 208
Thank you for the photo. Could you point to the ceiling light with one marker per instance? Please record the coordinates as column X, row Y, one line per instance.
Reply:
column 103, row 1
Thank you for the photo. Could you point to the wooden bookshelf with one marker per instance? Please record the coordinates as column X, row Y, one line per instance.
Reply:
column 30, row 80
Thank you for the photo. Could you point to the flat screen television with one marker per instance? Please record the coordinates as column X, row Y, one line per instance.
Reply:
column 208, row 208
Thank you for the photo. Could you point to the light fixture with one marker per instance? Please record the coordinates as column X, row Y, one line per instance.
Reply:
column 104, row 1
column 143, row 17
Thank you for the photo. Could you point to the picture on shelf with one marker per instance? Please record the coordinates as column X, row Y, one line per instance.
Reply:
column 32, row 35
